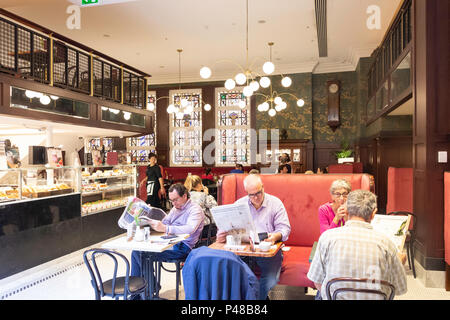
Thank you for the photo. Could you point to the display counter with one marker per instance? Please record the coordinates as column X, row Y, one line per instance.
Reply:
column 41, row 219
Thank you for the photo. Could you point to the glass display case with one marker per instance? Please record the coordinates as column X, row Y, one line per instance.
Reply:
column 106, row 187
column 296, row 151
column 36, row 182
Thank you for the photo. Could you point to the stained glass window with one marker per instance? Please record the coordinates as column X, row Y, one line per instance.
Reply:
column 186, row 128
column 233, row 127
column 141, row 147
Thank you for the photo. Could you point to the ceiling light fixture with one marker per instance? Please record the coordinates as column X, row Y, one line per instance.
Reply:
column 246, row 76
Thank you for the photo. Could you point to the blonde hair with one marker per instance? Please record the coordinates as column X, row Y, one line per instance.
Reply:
column 192, row 181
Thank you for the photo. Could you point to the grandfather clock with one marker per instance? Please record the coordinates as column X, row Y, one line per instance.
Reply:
column 334, row 90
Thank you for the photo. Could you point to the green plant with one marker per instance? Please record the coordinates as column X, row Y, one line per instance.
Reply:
column 345, row 152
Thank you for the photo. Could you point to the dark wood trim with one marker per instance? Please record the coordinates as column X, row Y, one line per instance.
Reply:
column 94, row 103
column 74, row 43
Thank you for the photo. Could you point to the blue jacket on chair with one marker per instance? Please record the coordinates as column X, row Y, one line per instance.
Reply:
column 210, row 274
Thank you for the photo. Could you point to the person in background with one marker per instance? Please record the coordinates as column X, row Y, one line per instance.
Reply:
column 283, row 169
column 184, row 217
column 269, row 215
column 239, row 168
column 153, row 182
column 253, row 171
column 358, row 251
column 199, row 195
column 208, row 174
column 309, row 172
column 285, row 159
column 333, row 214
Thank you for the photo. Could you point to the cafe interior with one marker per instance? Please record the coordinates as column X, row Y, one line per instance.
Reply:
column 345, row 89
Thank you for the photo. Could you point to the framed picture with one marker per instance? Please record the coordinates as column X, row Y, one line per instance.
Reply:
column 54, row 157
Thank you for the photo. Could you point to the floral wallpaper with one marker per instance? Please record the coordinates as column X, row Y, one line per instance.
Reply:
column 296, row 120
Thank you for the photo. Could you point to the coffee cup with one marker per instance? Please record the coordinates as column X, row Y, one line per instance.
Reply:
column 264, row 246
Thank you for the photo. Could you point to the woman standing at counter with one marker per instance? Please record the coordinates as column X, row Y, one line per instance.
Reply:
column 153, row 181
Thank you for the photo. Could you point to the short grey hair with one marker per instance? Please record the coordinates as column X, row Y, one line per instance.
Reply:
column 340, row 184
column 252, row 179
column 361, row 203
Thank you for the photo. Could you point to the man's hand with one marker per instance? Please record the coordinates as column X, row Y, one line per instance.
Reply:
column 273, row 237
column 402, row 257
column 158, row 225
column 221, row 236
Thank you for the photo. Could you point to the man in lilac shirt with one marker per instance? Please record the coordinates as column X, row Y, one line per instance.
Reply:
column 269, row 215
column 185, row 217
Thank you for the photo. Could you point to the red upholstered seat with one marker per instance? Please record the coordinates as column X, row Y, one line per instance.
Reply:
column 400, row 189
column 302, row 195
column 447, row 216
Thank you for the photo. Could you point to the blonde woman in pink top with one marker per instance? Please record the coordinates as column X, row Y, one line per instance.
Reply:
column 334, row 214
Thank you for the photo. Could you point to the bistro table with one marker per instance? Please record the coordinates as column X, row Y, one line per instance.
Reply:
column 155, row 244
column 246, row 250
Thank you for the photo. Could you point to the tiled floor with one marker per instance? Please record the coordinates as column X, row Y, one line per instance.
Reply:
column 67, row 278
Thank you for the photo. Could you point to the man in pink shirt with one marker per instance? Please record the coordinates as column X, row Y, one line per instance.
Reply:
column 269, row 215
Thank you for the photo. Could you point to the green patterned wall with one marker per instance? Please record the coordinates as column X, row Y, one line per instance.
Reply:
column 348, row 106
column 296, row 120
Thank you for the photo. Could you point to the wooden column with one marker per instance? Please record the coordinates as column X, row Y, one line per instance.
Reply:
column 431, row 126
column 162, row 127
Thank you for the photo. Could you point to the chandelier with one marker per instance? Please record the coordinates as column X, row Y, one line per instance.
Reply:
column 274, row 98
column 181, row 107
column 247, row 76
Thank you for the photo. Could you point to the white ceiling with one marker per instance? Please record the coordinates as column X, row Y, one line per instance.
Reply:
column 147, row 33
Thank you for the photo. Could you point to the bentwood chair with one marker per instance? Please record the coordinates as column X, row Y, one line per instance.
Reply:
column 117, row 286
column 410, row 237
column 371, row 287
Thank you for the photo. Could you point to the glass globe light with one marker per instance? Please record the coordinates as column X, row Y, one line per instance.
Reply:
column 45, row 100
column 105, row 108
column 38, row 95
column 171, row 108
column 205, row 72
column 277, row 100
column 272, row 112
column 283, row 105
column 126, row 115
column 247, row 91
column 254, row 85
column 265, row 105
column 207, row 107
column 189, row 109
column 30, row 94
column 268, row 67
column 151, row 106
column 264, row 82
column 184, row 102
column 240, row 78
column 278, row 107
column 54, row 97
column 300, row 102
column 286, row 82
column 242, row 104
column 115, row 111
column 230, row 84
column 260, row 107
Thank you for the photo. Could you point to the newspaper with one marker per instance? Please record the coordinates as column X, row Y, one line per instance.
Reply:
column 235, row 217
column 394, row 227
column 138, row 212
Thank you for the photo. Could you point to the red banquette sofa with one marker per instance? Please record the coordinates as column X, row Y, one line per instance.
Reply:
column 302, row 195
column 447, row 227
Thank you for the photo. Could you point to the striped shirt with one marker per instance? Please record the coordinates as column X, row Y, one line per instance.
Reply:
column 357, row 251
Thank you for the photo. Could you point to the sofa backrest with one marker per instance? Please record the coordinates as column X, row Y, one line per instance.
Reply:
column 301, row 194
column 447, row 216
column 399, row 190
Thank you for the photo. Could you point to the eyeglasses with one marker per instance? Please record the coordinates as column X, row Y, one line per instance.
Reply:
column 175, row 200
column 338, row 195
column 254, row 195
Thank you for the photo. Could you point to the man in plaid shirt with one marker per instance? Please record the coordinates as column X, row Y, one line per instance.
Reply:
column 357, row 251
